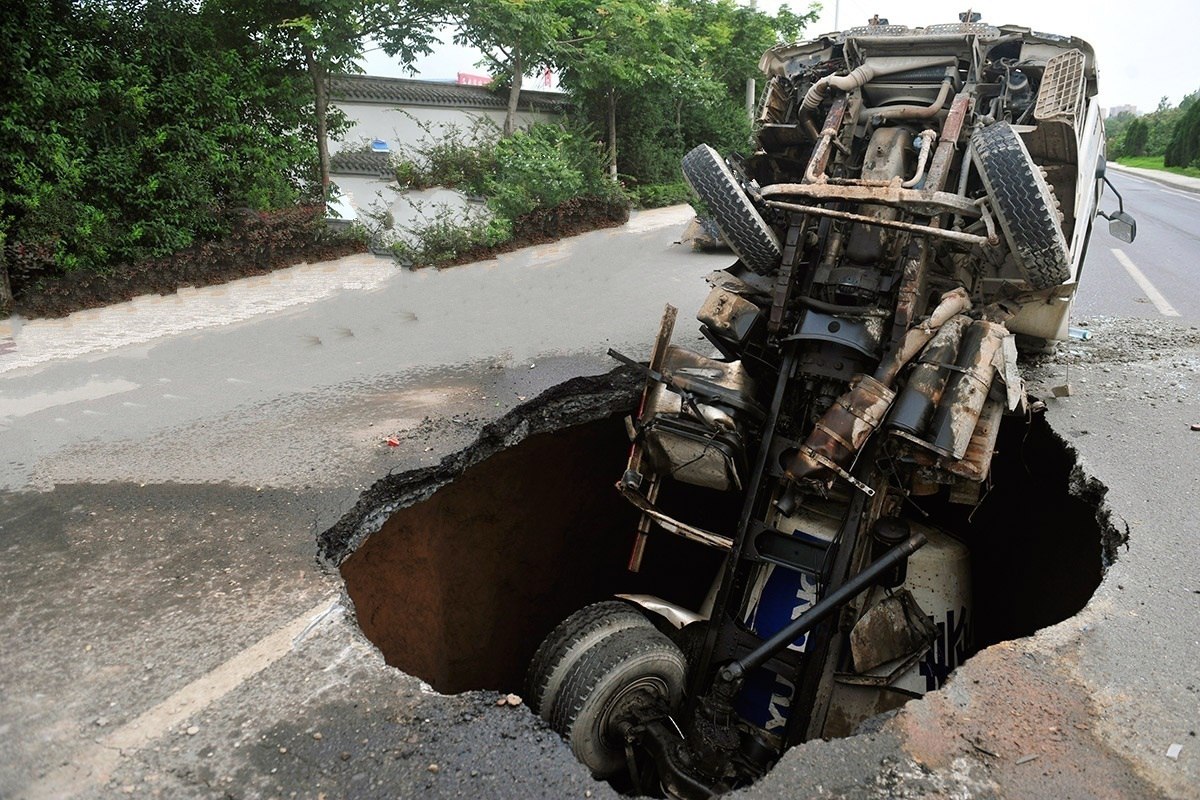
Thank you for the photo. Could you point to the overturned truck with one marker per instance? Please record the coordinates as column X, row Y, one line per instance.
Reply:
column 919, row 202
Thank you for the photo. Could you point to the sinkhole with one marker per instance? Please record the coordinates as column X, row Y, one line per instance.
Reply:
column 458, row 571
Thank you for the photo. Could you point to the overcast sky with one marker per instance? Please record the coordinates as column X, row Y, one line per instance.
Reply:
column 1143, row 48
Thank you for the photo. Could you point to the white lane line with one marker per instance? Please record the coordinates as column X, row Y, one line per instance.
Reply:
column 95, row 764
column 1160, row 302
column 1189, row 196
column 1161, row 186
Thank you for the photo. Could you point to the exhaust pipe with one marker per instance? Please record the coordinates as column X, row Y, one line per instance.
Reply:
column 845, row 427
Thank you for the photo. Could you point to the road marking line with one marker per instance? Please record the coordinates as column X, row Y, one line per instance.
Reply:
column 1160, row 185
column 96, row 763
column 1160, row 302
column 1183, row 194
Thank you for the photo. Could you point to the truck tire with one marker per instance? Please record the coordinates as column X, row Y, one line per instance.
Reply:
column 744, row 229
column 1024, row 204
column 631, row 669
column 564, row 645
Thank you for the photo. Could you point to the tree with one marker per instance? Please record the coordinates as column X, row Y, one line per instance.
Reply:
column 515, row 36
column 129, row 129
column 617, row 48
column 1161, row 122
column 1136, row 136
column 1184, row 149
column 687, row 89
column 326, row 38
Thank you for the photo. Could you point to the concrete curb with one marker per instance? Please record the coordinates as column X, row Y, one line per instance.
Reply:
column 1158, row 176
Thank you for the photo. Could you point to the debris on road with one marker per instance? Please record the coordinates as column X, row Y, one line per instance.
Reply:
column 1173, row 751
column 702, row 234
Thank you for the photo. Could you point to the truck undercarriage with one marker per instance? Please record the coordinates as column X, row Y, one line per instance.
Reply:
column 916, row 199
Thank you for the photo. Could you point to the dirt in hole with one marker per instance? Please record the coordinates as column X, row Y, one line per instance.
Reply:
column 460, row 589
column 457, row 573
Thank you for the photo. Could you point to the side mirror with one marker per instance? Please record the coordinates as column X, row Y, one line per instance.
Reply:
column 1122, row 226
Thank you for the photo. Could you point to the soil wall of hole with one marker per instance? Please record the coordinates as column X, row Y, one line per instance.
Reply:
column 457, row 572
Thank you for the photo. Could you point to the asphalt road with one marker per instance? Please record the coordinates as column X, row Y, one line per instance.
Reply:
column 161, row 592
column 1164, row 252
column 168, row 631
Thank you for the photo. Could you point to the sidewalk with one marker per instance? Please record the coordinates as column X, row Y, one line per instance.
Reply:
column 146, row 318
column 1168, row 178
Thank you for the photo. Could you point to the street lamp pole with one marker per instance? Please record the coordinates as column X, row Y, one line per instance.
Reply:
column 750, row 81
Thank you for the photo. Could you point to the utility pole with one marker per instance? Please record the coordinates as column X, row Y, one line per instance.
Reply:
column 750, row 81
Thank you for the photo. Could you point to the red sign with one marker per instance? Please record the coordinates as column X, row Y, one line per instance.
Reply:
column 467, row 79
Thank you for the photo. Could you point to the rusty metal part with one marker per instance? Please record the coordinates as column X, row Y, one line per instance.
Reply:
column 912, row 288
column 666, row 327
column 727, row 314
column 919, row 201
column 792, row 250
column 836, row 469
column 915, row 405
column 952, row 303
column 938, row 469
column 643, row 529
column 985, row 211
column 951, row 130
column 958, row 413
column 817, row 211
column 893, row 628
column 843, row 429
column 672, row 525
column 886, row 160
column 977, row 461
column 885, row 157
column 820, row 154
column 910, row 111
column 928, row 137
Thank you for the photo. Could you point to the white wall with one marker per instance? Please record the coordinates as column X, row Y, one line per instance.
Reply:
column 399, row 125
column 370, row 197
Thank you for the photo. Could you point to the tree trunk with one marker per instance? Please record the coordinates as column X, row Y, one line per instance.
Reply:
column 514, row 93
column 321, row 100
column 612, row 134
column 6, row 295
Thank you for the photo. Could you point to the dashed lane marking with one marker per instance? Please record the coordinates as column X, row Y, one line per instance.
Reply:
column 1156, row 297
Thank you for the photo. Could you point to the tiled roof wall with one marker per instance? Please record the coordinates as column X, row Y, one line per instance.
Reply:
column 402, row 91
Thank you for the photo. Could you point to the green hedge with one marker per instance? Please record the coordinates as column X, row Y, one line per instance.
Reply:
column 129, row 131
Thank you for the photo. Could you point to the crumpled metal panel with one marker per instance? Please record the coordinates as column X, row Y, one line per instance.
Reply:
column 698, row 443
column 892, row 629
